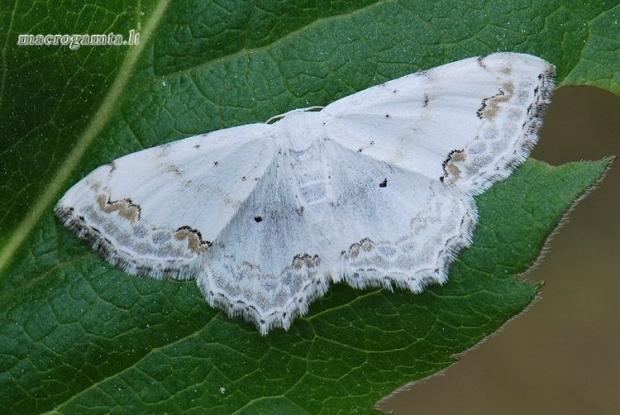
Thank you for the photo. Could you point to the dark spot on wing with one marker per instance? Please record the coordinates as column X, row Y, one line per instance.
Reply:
column 194, row 239
column 450, row 167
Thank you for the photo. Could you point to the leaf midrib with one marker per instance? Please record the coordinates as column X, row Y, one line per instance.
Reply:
column 97, row 122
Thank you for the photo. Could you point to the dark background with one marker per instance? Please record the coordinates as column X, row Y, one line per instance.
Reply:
column 562, row 356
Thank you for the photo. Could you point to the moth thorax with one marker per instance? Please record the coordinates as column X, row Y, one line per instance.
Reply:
column 300, row 130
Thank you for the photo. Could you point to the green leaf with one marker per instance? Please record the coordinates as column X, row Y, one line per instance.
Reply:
column 80, row 336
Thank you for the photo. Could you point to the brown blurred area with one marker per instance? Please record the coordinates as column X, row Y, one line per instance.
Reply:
column 562, row 356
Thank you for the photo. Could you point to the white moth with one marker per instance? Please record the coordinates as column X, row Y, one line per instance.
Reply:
column 376, row 190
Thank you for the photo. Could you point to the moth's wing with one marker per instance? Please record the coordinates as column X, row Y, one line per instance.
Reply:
column 393, row 226
column 329, row 213
column 468, row 123
column 155, row 211
column 267, row 264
